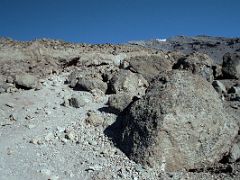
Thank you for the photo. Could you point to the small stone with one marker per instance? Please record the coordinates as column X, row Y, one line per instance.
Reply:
column 64, row 140
column 97, row 95
column 48, row 112
column 94, row 119
column 11, row 105
column 60, row 129
column 219, row 87
column 9, row 151
column 71, row 135
column 65, row 101
column 97, row 92
column 94, row 168
column 36, row 141
column 28, row 117
column 234, row 105
column 30, row 126
column 12, row 118
column 78, row 101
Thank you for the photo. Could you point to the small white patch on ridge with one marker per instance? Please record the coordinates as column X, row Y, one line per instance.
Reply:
column 161, row 40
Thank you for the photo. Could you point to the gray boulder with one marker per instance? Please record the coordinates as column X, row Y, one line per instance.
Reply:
column 89, row 84
column 128, row 82
column 231, row 65
column 150, row 65
column 197, row 63
column 179, row 124
column 87, row 80
column 26, row 81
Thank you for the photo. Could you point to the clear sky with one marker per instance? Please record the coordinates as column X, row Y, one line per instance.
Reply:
column 116, row 21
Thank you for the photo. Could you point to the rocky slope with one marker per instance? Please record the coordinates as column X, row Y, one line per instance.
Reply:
column 144, row 110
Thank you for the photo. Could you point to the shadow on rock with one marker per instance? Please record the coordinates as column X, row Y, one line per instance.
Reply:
column 115, row 131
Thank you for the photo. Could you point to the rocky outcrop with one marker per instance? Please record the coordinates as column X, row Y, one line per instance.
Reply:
column 179, row 124
column 214, row 47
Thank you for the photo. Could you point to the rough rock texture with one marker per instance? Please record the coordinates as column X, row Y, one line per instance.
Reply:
column 94, row 119
column 90, row 83
column 150, row 66
column 26, row 81
column 78, row 101
column 179, row 124
column 231, row 65
column 119, row 101
column 128, row 82
column 235, row 151
column 197, row 63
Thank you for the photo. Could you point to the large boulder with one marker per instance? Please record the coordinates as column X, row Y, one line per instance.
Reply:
column 231, row 65
column 197, row 63
column 150, row 65
column 179, row 124
column 85, row 80
column 89, row 84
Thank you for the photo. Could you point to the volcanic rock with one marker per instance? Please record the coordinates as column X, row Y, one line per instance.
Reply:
column 197, row 63
column 150, row 65
column 119, row 101
column 26, row 81
column 179, row 124
column 231, row 65
column 128, row 82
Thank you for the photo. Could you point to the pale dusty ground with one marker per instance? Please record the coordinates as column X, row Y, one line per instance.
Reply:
column 34, row 142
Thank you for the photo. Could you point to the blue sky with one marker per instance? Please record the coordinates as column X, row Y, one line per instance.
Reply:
column 117, row 21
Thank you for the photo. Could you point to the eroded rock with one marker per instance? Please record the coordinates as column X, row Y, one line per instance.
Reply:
column 128, row 82
column 179, row 124
column 119, row 101
column 94, row 119
column 26, row 81
column 150, row 65
column 231, row 65
column 197, row 63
